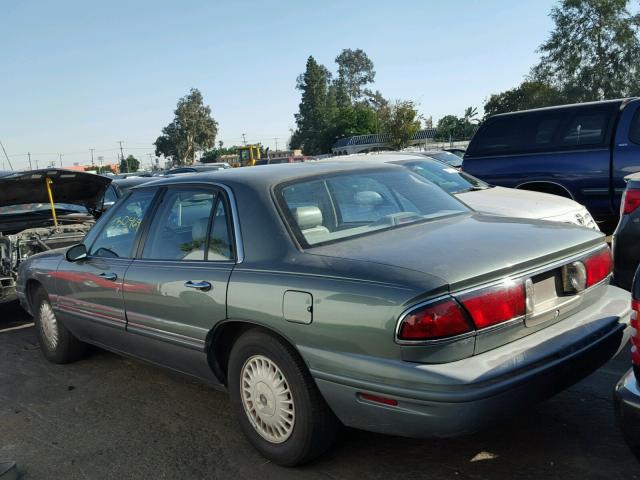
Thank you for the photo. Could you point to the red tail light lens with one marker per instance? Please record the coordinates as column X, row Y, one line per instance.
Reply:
column 437, row 320
column 630, row 201
column 598, row 266
column 493, row 305
column 635, row 339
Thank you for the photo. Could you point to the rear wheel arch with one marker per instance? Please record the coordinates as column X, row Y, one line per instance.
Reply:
column 222, row 337
column 552, row 188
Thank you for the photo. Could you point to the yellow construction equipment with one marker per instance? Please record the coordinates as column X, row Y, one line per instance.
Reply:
column 248, row 155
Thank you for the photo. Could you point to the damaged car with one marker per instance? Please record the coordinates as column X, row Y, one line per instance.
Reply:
column 29, row 225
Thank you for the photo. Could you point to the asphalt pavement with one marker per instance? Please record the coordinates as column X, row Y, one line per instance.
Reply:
column 109, row 417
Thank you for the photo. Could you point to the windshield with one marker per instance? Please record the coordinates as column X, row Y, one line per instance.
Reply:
column 340, row 206
column 41, row 207
column 446, row 177
column 446, row 157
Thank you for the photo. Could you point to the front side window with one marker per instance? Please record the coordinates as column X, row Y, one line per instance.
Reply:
column 337, row 207
column 117, row 237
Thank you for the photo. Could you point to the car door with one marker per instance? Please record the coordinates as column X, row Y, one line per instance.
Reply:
column 175, row 290
column 90, row 298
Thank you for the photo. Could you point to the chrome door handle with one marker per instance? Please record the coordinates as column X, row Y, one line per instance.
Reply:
column 204, row 286
column 109, row 276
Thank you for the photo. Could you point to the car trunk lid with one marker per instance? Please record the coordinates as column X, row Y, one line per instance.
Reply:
column 470, row 249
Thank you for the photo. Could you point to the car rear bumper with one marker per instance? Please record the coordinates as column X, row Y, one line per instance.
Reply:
column 626, row 397
column 470, row 394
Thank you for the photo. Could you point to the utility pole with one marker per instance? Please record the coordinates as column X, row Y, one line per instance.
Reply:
column 29, row 155
column 60, row 155
column 92, row 149
column 37, row 167
column 122, row 155
column 244, row 139
column 276, row 140
column 6, row 156
column 150, row 155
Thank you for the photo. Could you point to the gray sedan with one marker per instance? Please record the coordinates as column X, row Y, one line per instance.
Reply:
column 322, row 295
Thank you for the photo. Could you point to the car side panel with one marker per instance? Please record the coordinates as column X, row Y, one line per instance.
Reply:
column 584, row 174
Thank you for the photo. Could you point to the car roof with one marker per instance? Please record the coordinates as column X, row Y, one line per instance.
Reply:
column 129, row 182
column 381, row 157
column 268, row 175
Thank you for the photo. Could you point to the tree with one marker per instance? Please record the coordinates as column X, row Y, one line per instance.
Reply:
column 123, row 166
column 529, row 94
column 348, row 121
column 314, row 112
column 133, row 164
column 400, row 120
column 448, row 127
column 355, row 71
column 593, row 53
column 192, row 130
column 213, row 155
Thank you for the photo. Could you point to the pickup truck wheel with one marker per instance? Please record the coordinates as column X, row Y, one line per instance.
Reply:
column 278, row 404
column 58, row 344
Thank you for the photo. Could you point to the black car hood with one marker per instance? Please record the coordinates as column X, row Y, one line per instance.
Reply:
column 77, row 188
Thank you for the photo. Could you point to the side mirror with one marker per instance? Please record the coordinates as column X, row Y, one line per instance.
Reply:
column 77, row 252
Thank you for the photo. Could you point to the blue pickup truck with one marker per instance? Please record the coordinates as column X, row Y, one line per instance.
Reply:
column 580, row 151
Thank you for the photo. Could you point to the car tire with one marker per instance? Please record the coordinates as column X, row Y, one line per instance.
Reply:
column 279, row 406
column 57, row 343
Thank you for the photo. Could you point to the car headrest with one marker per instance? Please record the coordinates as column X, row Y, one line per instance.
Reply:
column 368, row 197
column 199, row 229
column 307, row 217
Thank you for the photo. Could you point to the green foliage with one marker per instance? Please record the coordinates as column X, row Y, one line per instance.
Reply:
column 192, row 130
column 213, row 155
column 315, row 110
column 401, row 121
column 133, row 164
column 448, row 126
column 529, row 94
column 123, row 166
column 593, row 53
column 355, row 71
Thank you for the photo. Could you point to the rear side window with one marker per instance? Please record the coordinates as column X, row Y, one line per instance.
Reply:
column 545, row 130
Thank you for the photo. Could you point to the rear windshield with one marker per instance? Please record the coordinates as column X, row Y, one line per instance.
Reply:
column 545, row 130
column 336, row 207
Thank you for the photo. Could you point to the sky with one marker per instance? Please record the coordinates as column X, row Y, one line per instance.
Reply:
column 78, row 75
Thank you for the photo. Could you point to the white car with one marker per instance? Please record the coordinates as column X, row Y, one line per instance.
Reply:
column 480, row 195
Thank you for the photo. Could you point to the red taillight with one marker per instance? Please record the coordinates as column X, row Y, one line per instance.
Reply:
column 630, row 201
column 598, row 266
column 437, row 320
column 635, row 339
column 496, row 304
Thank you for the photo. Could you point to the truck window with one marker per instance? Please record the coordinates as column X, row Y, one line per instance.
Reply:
column 586, row 129
column 545, row 130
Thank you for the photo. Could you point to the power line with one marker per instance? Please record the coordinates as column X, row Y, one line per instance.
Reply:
column 6, row 156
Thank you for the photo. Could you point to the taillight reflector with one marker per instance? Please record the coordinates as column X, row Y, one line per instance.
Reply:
column 497, row 304
column 598, row 266
column 437, row 320
column 377, row 399
column 630, row 201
